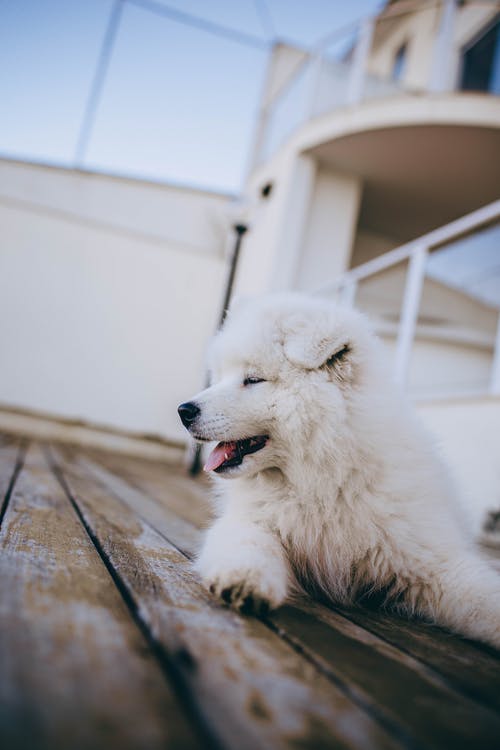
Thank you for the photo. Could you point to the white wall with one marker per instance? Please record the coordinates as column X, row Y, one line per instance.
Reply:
column 301, row 235
column 441, row 368
column 277, row 223
column 329, row 231
column 468, row 435
column 455, row 335
column 109, row 290
column 418, row 30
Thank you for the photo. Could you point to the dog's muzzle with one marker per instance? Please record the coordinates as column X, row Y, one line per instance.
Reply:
column 188, row 413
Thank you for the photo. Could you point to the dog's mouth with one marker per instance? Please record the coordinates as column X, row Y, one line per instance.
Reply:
column 232, row 453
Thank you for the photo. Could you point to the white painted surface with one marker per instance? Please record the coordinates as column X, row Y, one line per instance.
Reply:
column 109, row 290
column 495, row 367
column 464, row 109
column 416, row 31
column 277, row 225
column 330, row 229
column 433, row 36
column 409, row 313
column 442, row 368
column 447, row 340
column 267, row 256
column 420, row 31
column 468, row 434
column 302, row 233
column 193, row 220
column 441, row 78
column 455, row 335
column 290, row 239
column 360, row 61
column 265, row 218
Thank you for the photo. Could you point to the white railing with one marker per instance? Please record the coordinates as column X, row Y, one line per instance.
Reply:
column 322, row 84
column 325, row 82
column 416, row 254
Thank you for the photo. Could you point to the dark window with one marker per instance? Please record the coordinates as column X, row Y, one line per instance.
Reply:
column 399, row 64
column 481, row 63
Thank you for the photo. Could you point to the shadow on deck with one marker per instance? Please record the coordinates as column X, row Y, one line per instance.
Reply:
column 108, row 640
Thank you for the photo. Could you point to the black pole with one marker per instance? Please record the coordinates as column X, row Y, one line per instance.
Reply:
column 240, row 230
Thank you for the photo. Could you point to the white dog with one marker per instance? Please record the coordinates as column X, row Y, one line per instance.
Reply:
column 335, row 487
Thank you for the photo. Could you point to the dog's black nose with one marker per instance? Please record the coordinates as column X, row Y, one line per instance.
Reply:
column 188, row 413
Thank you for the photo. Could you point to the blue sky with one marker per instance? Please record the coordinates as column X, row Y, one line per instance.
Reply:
column 178, row 104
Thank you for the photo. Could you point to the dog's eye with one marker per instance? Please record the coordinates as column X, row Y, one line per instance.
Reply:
column 338, row 356
column 252, row 381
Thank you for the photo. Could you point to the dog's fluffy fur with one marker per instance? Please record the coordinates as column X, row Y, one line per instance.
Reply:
column 347, row 496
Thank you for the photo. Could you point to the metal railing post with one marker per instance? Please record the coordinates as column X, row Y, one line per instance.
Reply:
column 495, row 368
column 360, row 58
column 441, row 60
column 409, row 312
column 315, row 77
column 348, row 292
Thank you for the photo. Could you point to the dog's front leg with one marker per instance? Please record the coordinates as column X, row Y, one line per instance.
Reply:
column 468, row 598
column 244, row 564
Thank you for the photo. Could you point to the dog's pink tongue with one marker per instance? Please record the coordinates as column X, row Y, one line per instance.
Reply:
column 222, row 452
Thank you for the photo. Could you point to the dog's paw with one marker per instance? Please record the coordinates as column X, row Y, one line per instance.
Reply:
column 248, row 591
column 241, row 597
column 244, row 566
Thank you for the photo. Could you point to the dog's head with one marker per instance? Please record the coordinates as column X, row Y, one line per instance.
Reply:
column 284, row 370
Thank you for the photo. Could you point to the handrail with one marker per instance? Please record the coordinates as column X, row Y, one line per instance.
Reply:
column 416, row 253
column 437, row 237
column 358, row 77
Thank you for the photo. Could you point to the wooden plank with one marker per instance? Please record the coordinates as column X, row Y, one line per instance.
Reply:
column 394, row 684
column 11, row 456
column 177, row 530
column 168, row 484
column 470, row 668
column 254, row 689
column 436, row 721
column 76, row 671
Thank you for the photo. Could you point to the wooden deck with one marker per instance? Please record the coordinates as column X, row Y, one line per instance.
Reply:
column 108, row 640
